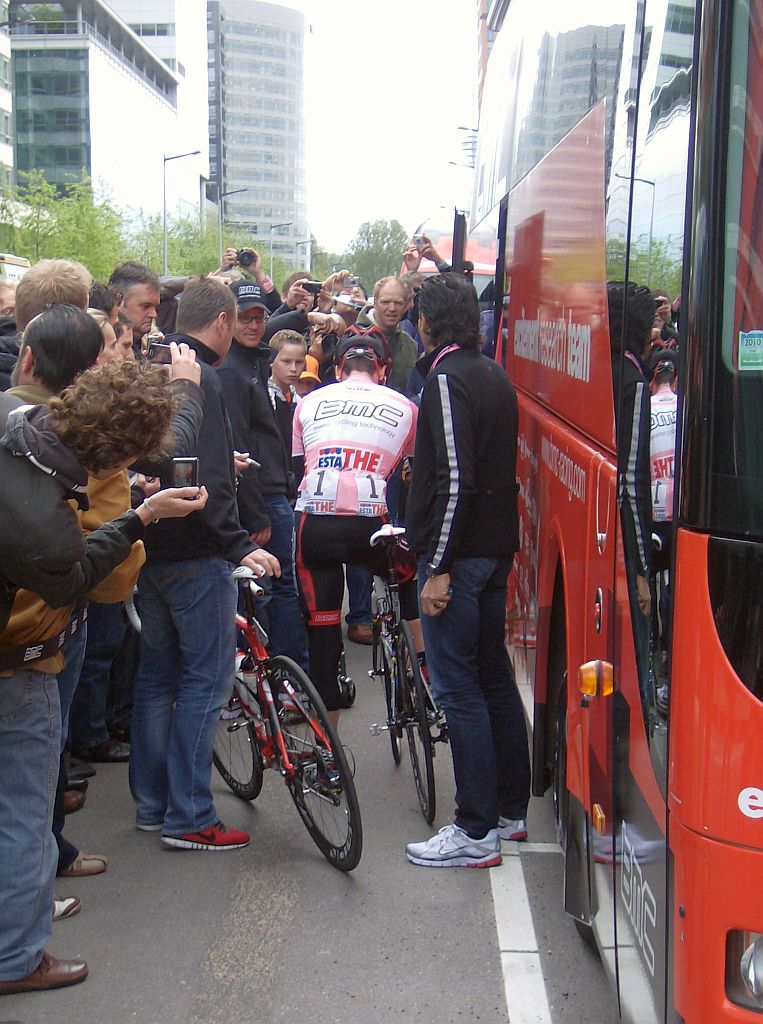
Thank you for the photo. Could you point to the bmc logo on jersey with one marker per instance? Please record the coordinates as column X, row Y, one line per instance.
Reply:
column 329, row 409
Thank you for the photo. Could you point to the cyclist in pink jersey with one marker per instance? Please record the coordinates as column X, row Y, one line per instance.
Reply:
column 351, row 435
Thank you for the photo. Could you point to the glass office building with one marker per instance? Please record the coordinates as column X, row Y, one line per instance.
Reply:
column 256, row 121
column 90, row 95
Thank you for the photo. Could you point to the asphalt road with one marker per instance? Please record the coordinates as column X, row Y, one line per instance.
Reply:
column 273, row 933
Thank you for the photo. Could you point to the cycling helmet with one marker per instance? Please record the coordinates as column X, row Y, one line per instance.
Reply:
column 364, row 343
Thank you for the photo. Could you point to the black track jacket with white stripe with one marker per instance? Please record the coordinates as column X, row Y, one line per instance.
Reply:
column 634, row 473
column 463, row 498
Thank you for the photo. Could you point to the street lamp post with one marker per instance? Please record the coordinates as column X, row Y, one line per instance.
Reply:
column 308, row 243
column 165, row 161
column 220, row 197
column 285, row 224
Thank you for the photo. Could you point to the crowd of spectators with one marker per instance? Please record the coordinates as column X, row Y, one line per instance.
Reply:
column 103, row 385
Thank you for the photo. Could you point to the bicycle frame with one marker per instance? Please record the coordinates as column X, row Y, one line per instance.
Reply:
column 270, row 741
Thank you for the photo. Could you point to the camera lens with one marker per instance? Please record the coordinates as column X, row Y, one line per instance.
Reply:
column 245, row 259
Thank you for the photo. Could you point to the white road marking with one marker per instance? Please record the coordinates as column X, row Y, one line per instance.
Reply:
column 525, row 989
column 520, row 960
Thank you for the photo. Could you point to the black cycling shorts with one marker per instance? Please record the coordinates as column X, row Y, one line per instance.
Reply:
column 323, row 544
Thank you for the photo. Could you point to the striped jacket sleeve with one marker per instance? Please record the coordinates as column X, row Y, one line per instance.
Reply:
column 452, row 429
column 633, row 450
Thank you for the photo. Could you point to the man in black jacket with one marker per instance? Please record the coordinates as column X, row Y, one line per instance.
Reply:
column 264, row 493
column 188, row 605
column 461, row 520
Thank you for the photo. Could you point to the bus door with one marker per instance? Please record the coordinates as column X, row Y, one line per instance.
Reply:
column 648, row 179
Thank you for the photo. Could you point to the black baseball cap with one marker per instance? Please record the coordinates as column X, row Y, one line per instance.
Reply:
column 248, row 295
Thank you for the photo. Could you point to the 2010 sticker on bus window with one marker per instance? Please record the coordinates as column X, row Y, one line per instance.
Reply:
column 751, row 350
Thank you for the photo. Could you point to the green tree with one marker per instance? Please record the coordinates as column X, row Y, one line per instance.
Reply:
column 656, row 265
column 40, row 221
column 376, row 251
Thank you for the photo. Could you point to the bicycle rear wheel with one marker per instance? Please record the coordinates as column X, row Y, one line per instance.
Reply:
column 416, row 719
column 236, row 753
column 321, row 788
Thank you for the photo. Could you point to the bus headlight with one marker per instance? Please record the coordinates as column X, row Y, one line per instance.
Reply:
column 744, row 969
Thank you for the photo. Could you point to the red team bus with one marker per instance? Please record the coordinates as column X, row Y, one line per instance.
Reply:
column 621, row 141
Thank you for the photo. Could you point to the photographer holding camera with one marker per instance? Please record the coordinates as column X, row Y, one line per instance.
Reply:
column 250, row 262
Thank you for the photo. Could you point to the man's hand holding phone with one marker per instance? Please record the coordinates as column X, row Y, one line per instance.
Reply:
column 181, row 360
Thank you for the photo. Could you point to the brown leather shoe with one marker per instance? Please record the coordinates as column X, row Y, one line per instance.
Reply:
column 361, row 634
column 73, row 800
column 51, row 973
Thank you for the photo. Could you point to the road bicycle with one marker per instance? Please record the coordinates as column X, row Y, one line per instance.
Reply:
column 276, row 719
column 411, row 708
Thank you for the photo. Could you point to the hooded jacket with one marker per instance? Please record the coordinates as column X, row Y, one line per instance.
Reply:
column 41, row 545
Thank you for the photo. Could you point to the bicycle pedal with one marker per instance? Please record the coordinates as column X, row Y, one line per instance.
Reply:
column 376, row 729
column 373, row 674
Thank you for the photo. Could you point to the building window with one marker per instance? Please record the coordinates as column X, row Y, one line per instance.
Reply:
column 154, row 28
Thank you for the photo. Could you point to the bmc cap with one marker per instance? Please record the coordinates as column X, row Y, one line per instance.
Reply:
column 248, row 295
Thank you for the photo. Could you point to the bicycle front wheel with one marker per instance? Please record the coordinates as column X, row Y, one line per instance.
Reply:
column 236, row 753
column 321, row 786
column 416, row 719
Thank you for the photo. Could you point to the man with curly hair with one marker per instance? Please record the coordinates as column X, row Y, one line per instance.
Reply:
column 111, row 416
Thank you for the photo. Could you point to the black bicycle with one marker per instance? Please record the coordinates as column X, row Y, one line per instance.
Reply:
column 411, row 709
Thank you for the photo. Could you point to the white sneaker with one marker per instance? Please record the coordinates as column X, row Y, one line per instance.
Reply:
column 65, row 906
column 512, row 829
column 453, row 848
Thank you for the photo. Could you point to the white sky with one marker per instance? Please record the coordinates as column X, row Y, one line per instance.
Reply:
column 387, row 83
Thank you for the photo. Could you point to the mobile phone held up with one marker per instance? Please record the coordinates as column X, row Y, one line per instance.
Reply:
column 185, row 472
column 159, row 353
column 419, row 241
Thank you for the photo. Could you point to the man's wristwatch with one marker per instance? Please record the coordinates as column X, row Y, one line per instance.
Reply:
column 433, row 571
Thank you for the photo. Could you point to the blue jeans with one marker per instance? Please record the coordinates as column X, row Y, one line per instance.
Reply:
column 278, row 610
column 474, row 683
column 186, row 675
column 30, row 738
column 106, row 632
column 67, row 679
column 359, row 582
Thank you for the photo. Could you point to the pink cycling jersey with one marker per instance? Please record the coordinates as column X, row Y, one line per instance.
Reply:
column 352, row 435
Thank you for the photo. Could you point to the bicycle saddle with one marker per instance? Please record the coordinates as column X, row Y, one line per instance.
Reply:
column 243, row 572
column 387, row 532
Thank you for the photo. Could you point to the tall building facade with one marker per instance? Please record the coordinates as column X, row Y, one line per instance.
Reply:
column 176, row 31
column 256, row 122
column 90, row 95
column 6, row 105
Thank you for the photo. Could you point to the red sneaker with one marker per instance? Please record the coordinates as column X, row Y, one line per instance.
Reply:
column 216, row 837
